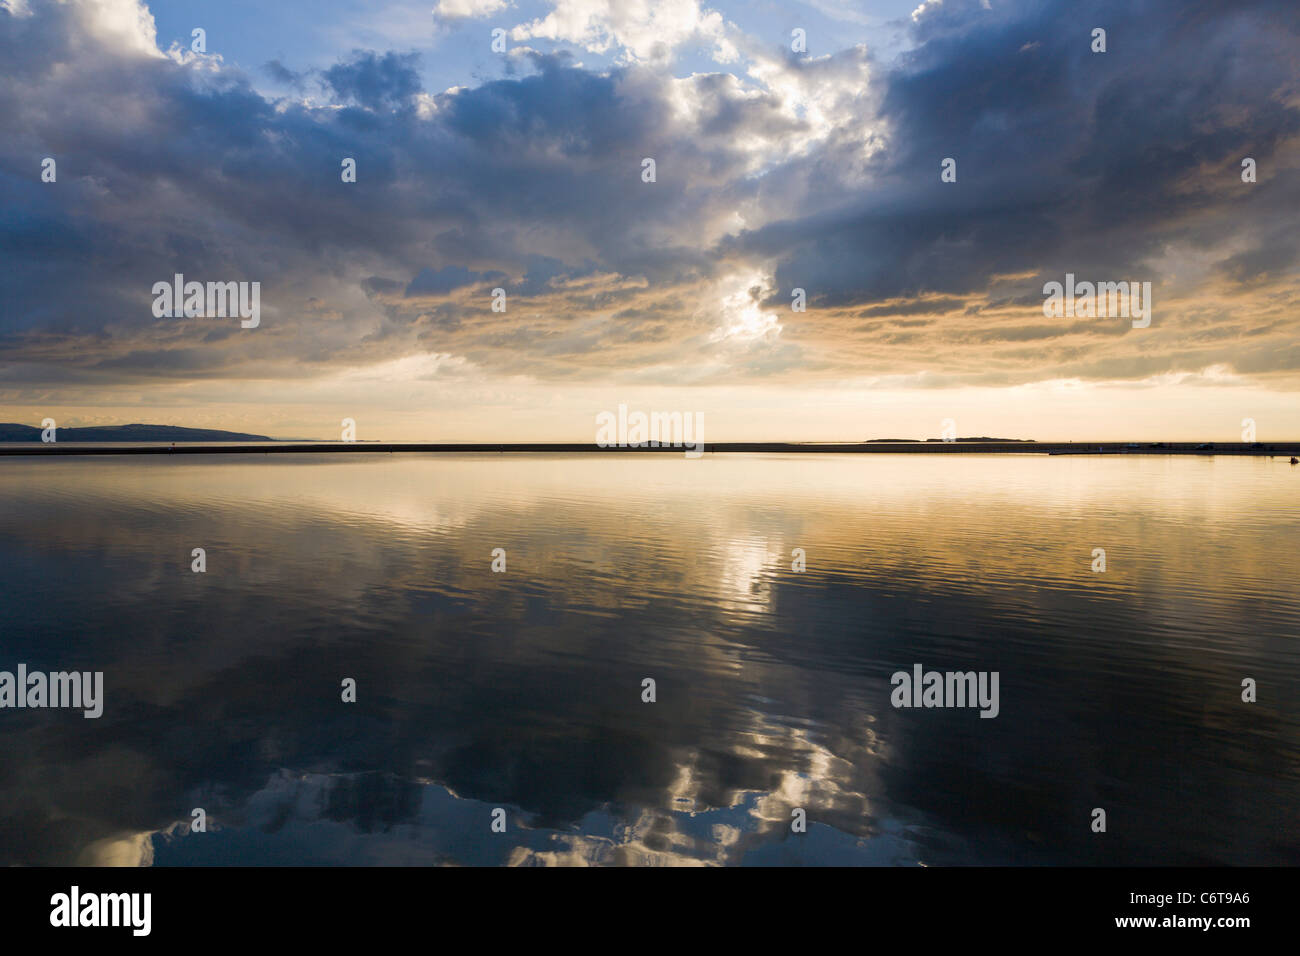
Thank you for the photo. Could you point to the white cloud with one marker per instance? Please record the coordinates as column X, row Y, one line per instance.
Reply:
column 468, row 9
column 832, row 95
column 926, row 7
column 123, row 25
column 742, row 318
column 642, row 30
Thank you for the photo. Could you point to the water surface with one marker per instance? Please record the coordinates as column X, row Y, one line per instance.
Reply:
column 523, row 690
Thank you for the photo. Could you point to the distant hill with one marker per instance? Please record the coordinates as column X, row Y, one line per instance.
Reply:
column 110, row 433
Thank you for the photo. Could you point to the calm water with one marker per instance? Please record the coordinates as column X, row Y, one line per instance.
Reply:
column 522, row 690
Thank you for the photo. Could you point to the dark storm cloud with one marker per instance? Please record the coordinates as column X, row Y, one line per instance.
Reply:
column 376, row 82
column 1066, row 159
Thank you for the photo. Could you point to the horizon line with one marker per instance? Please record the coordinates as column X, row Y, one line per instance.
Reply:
column 876, row 446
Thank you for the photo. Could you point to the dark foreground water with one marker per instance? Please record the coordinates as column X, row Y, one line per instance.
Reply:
column 522, row 690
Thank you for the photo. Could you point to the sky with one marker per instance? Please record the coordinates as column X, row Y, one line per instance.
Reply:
column 522, row 168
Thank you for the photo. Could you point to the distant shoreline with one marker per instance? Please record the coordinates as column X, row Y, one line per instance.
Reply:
column 1254, row 449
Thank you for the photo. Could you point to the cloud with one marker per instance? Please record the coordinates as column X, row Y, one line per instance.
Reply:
column 641, row 30
column 1067, row 160
column 820, row 173
column 375, row 82
column 468, row 9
